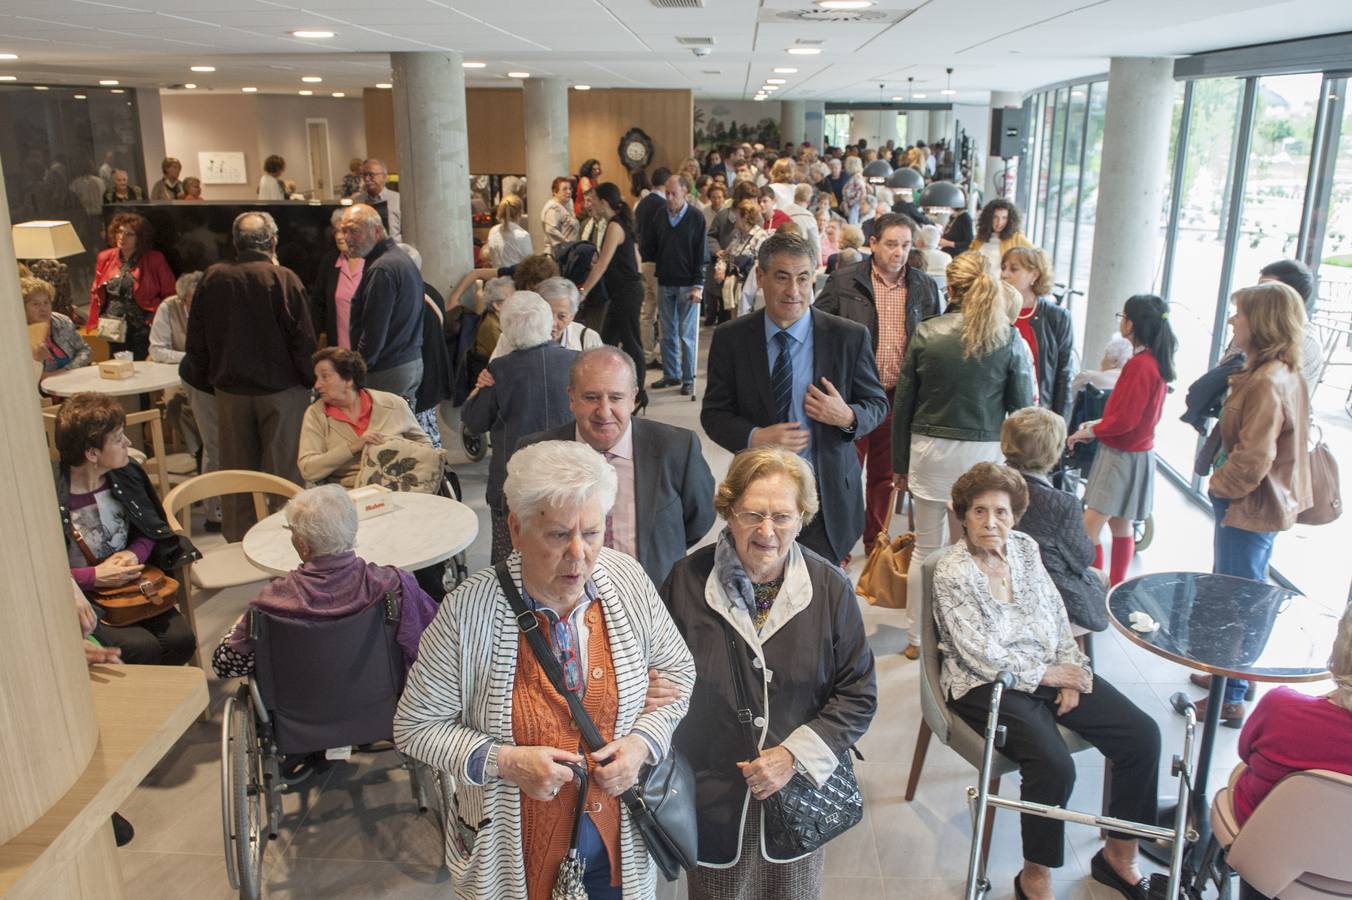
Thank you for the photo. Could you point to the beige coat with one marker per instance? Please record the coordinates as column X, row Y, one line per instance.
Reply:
column 1264, row 431
column 326, row 444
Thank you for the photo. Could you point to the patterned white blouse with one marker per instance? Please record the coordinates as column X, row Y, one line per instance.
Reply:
column 980, row 636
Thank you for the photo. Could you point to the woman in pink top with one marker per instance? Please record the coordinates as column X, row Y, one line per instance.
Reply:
column 1293, row 732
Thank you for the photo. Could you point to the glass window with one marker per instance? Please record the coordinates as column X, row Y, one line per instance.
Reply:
column 1039, row 198
column 1063, row 238
column 1054, row 156
column 1088, row 207
column 1198, row 255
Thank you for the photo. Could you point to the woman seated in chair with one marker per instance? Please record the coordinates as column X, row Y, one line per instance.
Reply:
column 114, row 526
column 61, row 346
column 1031, row 440
column 331, row 581
column 347, row 418
column 997, row 610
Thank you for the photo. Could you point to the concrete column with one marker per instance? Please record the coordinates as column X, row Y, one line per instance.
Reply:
column 814, row 123
column 917, row 126
column 151, row 119
column 429, row 131
column 792, row 126
column 995, row 166
column 1133, row 177
column 47, row 724
column 545, row 108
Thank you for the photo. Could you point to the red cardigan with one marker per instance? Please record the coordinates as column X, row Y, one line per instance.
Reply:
column 1134, row 407
column 1289, row 732
column 153, row 279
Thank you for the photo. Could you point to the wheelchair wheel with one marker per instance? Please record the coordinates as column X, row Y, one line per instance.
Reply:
column 475, row 444
column 242, row 798
column 1145, row 532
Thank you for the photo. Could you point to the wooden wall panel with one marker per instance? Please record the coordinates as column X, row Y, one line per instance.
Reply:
column 378, row 109
column 496, row 131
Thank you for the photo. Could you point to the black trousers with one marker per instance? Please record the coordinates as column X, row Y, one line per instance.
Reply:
column 1126, row 735
column 621, row 328
column 814, row 536
column 165, row 640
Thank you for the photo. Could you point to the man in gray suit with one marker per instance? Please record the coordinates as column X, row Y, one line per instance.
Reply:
column 665, row 502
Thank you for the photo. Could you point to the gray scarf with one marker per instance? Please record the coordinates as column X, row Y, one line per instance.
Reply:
column 731, row 574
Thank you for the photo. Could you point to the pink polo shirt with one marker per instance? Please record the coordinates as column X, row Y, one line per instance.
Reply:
column 623, row 522
column 348, row 279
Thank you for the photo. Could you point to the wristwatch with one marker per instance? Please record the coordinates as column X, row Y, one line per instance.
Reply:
column 491, row 771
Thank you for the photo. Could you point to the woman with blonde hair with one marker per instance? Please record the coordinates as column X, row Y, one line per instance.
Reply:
column 781, row 182
column 1044, row 325
column 508, row 242
column 963, row 372
column 1263, row 480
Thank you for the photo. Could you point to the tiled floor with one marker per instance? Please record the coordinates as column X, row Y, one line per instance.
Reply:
column 355, row 833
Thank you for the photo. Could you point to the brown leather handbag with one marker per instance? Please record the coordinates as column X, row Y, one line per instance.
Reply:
column 883, row 581
column 1328, row 498
column 151, row 594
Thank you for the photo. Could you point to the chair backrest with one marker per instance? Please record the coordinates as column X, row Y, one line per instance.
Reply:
column 1295, row 843
column 329, row 682
column 223, row 484
column 932, row 704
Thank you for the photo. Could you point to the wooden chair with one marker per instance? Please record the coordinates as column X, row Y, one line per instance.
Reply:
column 224, row 565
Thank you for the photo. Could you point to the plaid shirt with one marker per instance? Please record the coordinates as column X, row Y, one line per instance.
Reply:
column 890, row 301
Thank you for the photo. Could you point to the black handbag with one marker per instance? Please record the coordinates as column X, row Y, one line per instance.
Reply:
column 800, row 817
column 662, row 803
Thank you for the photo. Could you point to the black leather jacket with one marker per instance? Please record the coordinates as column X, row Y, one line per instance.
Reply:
column 942, row 393
column 849, row 294
column 132, row 487
column 1055, row 340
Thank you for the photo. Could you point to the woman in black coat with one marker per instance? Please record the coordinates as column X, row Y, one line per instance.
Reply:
column 1044, row 325
column 1032, row 440
column 761, row 602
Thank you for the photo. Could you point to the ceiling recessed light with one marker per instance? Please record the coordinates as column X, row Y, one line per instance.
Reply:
column 249, row 90
column 473, row 65
column 769, row 88
column 313, row 35
column 948, row 92
column 804, row 51
column 9, row 56
column 518, row 74
column 306, row 93
column 311, row 79
column 9, row 77
column 41, row 87
column 919, row 96
column 384, row 85
column 758, row 97
column 190, row 86
column 81, row 97
column 844, row 4
column 339, row 94
column 117, row 91
column 109, row 82
column 202, row 68
column 785, row 70
column 776, row 81
column 582, row 87
column 897, row 99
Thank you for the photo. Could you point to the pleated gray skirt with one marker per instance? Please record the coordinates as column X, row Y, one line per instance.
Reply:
column 1122, row 483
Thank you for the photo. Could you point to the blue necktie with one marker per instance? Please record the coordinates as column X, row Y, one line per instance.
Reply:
column 781, row 379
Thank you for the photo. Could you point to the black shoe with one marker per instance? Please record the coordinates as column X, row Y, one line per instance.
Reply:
column 688, row 390
column 1018, row 889
column 654, row 364
column 642, row 404
column 1104, row 874
column 664, row 382
column 122, row 830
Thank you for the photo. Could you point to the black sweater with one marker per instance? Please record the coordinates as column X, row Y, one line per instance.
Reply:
column 678, row 251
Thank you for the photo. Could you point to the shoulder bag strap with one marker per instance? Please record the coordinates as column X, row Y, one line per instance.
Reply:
column 80, row 542
column 743, row 709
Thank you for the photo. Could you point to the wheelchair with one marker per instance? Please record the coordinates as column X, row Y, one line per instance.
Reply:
column 317, row 685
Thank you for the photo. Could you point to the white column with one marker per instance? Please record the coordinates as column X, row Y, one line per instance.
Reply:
column 917, row 126
column 791, row 122
column 995, row 166
column 153, row 151
column 1132, row 180
column 546, row 120
column 814, row 123
column 429, row 131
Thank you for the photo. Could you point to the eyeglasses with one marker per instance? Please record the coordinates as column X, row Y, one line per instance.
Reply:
column 1119, row 316
column 749, row 519
column 371, row 174
column 565, row 648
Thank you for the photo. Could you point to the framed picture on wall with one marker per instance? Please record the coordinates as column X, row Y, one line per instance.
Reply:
column 222, row 167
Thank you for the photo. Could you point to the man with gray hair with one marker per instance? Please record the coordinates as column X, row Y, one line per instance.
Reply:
column 249, row 341
column 665, row 500
column 384, row 201
column 386, row 315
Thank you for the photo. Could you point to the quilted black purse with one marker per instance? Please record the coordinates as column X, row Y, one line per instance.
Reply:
column 799, row 817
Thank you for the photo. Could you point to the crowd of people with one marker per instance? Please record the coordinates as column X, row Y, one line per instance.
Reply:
column 957, row 392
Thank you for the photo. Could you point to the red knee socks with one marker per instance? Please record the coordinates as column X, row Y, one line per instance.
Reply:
column 1123, row 549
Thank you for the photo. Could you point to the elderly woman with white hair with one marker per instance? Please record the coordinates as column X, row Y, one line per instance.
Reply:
column 523, row 392
column 331, row 582
column 563, row 298
column 478, row 702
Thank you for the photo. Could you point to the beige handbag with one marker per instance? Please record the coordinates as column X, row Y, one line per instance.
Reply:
column 399, row 464
column 883, row 581
column 1328, row 497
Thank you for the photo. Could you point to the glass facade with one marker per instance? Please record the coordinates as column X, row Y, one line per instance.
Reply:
column 1261, row 171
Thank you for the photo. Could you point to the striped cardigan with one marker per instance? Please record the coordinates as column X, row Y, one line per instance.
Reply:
column 460, row 691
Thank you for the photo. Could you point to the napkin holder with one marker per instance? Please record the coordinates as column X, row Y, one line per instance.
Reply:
column 372, row 500
column 117, row 369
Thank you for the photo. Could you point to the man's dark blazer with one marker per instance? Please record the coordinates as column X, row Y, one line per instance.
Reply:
column 738, row 398
column 673, row 491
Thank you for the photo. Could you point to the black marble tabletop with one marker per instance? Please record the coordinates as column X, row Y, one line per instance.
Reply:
column 1230, row 626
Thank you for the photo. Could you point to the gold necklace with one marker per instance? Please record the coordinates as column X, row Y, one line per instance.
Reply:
column 1003, row 576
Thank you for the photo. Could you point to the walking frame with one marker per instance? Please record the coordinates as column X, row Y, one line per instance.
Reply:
column 982, row 800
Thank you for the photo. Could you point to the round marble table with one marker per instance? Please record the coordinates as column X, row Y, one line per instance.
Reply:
column 421, row 530
column 1228, row 627
column 148, row 376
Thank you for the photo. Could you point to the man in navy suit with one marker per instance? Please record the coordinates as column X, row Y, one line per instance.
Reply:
column 801, row 378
